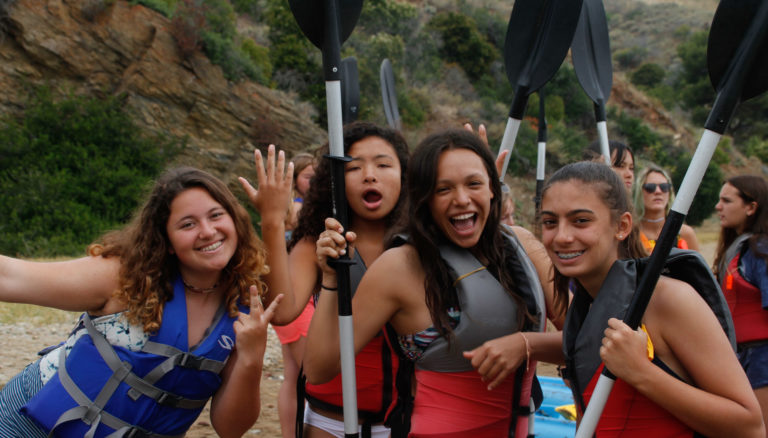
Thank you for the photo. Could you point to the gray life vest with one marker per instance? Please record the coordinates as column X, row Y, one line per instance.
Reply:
column 587, row 320
column 487, row 310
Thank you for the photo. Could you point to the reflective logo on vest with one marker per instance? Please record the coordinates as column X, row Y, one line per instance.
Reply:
column 226, row 342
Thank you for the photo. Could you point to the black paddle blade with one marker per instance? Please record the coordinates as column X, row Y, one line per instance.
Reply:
column 732, row 22
column 310, row 15
column 350, row 90
column 591, row 52
column 388, row 95
column 538, row 37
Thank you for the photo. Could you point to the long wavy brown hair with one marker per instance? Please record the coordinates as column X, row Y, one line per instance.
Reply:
column 612, row 192
column 148, row 269
column 426, row 236
column 317, row 204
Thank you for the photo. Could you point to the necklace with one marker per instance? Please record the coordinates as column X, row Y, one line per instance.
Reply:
column 654, row 221
column 199, row 290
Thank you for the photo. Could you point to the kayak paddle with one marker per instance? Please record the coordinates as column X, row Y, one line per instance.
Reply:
column 591, row 54
column 538, row 37
column 388, row 95
column 327, row 24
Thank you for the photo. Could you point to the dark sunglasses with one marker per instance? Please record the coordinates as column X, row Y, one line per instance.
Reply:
column 651, row 187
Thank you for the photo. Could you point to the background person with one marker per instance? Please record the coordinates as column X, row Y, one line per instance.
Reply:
column 654, row 195
column 622, row 160
column 740, row 264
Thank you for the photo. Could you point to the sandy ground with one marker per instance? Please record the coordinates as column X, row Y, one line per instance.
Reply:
column 20, row 342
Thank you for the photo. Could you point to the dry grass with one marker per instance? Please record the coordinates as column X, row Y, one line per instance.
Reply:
column 14, row 313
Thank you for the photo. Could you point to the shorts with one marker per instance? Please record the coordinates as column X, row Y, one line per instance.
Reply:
column 336, row 427
column 297, row 328
column 15, row 394
column 754, row 360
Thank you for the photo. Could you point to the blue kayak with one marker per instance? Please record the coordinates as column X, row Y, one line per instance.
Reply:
column 549, row 423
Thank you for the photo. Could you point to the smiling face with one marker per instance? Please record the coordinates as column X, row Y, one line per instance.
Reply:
column 372, row 178
column 461, row 202
column 202, row 235
column 732, row 209
column 579, row 233
column 625, row 169
column 655, row 202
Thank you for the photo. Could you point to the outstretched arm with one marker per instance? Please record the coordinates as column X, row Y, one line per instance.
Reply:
column 84, row 284
column 237, row 403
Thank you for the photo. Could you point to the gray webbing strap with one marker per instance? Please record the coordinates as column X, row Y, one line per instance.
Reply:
column 175, row 357
column 91, row 413
column 135, row 382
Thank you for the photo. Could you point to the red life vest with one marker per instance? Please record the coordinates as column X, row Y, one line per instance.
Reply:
column 647, row 418
column 744, row 301
column 375, row 372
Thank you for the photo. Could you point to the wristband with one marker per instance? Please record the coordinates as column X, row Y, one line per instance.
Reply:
column 527, row 352
column 332, row 289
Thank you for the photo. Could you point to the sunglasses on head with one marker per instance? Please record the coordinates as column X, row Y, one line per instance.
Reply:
column 651, row 187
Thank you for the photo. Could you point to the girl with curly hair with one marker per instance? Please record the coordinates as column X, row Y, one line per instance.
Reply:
column 173, row 316
column 374, row 176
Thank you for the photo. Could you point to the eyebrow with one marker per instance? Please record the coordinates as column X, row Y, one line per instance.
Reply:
column 570, row 213
column 376, row 157
column 470, row 176
column 191, row 216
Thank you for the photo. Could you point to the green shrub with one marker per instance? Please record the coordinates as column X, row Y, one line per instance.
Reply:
column 259, row 56
column 631, row 57
column 463, row 44
column 235, row 64
column 70, row 170
column 648, row 75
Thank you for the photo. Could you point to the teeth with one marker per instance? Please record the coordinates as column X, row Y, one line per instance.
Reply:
column 212, row 246
column 569, row 255
column 462, row 217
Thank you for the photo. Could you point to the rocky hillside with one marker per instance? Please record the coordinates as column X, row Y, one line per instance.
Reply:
column 98, row 47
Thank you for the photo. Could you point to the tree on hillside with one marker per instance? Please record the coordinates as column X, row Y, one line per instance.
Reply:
column 70, row 170
column 463, row 44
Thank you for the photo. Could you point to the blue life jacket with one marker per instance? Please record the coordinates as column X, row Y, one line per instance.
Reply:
column 102, row 390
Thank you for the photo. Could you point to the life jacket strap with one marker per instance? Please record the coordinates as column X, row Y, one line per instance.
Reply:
column 117, row 366
column 92, row 413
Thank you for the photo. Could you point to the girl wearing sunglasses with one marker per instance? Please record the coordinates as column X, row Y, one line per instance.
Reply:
column 654, row 195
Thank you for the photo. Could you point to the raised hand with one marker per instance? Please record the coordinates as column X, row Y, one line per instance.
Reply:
column 483, row 134
column 273, row 198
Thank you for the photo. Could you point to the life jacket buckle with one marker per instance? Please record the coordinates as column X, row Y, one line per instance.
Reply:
column 190, row 361
column 168, row 399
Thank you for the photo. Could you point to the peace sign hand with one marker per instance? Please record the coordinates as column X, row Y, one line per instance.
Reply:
column 251, row 329
column 273, row 198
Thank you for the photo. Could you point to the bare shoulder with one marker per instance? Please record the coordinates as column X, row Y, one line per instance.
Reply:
column 673, row 298
column 527, row 239
column 401, row 260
